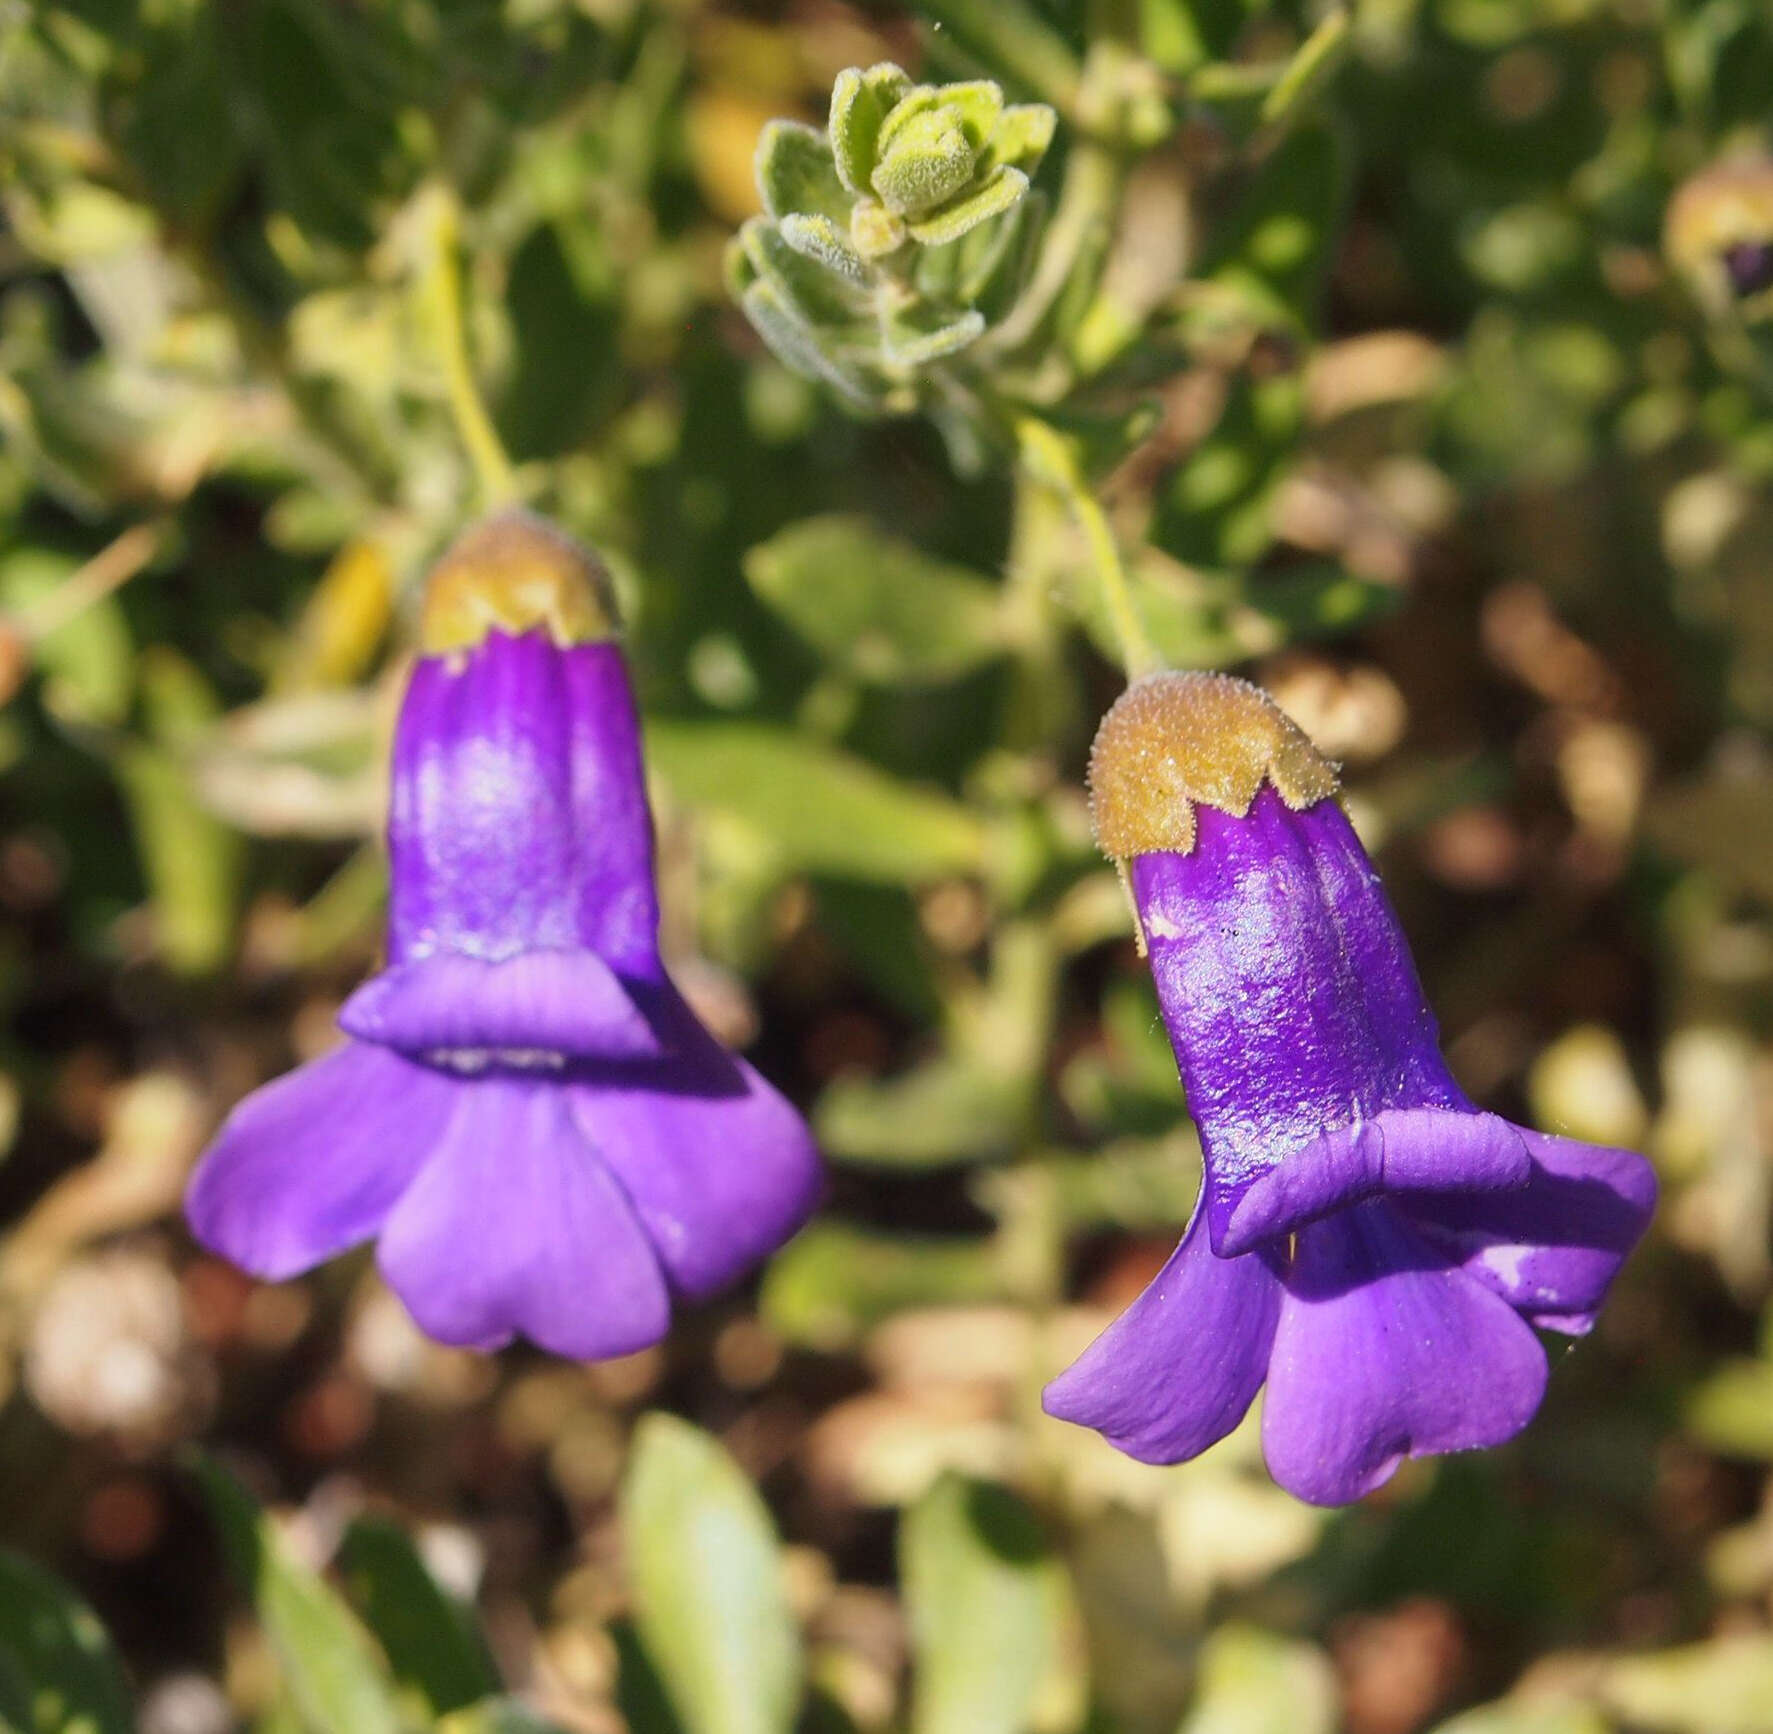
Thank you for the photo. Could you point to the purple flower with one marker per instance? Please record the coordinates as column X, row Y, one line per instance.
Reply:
column 1367, row 1241
column 529, row 1119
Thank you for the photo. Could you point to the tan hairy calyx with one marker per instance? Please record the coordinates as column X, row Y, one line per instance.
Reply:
column 514, row 573
column 1173, row 741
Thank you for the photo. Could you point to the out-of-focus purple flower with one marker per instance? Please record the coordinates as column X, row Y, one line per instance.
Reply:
column 541, row 1134
column 1367, row 1241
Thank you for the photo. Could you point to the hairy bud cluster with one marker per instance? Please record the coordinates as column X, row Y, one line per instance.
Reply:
column 894, row 238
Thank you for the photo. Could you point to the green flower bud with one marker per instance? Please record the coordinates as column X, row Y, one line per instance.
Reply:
column 929, row 161
column 891, row 240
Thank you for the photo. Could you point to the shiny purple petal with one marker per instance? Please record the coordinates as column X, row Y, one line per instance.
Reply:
column 1382, row 1353
column 1551, row 1249
column 1179, row 1368
column 311, row 1164
column 1298, row 1020
column 519, row 819
column 517, row 1227
column 720, row 1168
column 564, row 1002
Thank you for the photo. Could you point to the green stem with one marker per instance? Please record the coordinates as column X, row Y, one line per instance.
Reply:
column 492, row 468
column 1073, row 249
column 1051, row 459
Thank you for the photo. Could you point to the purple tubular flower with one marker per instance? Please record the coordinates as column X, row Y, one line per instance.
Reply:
column 528, row 1116
column 1367, row 1242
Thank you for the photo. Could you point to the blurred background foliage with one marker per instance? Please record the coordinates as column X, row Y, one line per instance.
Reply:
column 1402, row 393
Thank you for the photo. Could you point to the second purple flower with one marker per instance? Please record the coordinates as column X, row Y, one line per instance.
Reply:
column 528, row 1118
column 1367, row 1242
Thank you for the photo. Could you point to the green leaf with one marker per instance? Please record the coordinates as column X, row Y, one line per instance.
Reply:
column 1273, row 254
column 1252, row 1682
column 994, row 1635
column 833, row 1283
column 1309, row 71
column 86, row 661
column 1732, row 1410
column 795, row 173
column 820, row 810
column 497, row 1716
column 54, row 1654
column 1724, row 1686
column 1215, row 509
column 1023, row 133
column 820, row 239
column 817, row 295
column 930, row 160
column 877, row 607
column 1530, row 1717
column 336, row 1678
column 860, row 102
column 1001, row 189
column 710, row 1606
column 191, row 859
column 957, row 1108
column 923, row 334
column 431, row 1640
column 795, row 344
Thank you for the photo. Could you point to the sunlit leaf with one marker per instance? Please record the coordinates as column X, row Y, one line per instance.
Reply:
column 819, row 810
column 1253, row 1682
column 832, row 1282
column 995, row 1643
column 876, row 606
column 331, row 1668
column 709, row 1600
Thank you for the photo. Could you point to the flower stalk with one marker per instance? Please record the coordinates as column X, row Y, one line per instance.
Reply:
column 449, row 338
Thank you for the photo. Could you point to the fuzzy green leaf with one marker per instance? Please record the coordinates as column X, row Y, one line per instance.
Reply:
column 997, row 193
column 795, row 172
column 861, row 100
column 822, row 241
column 924, row 334
column 795, row 345
column 929, row 161
column 820, row 297
column 1022, row 135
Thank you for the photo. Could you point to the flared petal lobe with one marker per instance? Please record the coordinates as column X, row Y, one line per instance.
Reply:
column 310, row 1166
column 515, row 1226
column 1383, row 1352
column 1551, row 1249
column 554, row 1002
column 1180, row 1367
column 720, row 1168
